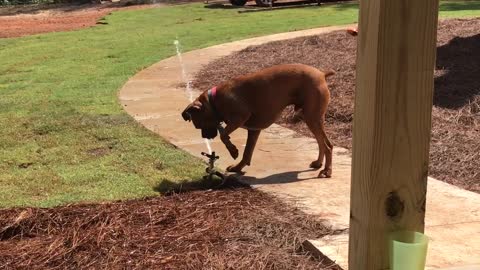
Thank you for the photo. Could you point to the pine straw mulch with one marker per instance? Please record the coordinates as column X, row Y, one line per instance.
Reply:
column 455, row 147
column 231, row 228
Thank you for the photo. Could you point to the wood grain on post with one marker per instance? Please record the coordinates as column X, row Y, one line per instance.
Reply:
column 393, row 102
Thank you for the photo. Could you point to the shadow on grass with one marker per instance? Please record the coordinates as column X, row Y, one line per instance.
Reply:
column 460, row 5
column 168, row 187
column 343, row 6
column 282, row 4
column 444, row 6
column 221, row 6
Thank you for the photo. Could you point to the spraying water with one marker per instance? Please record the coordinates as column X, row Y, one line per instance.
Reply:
column 188, row 83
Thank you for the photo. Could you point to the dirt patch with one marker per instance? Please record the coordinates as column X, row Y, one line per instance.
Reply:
column 220, row 229
column 455, row 147
column 30, row 20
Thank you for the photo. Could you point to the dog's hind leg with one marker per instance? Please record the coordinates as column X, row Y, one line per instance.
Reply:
column 327, row 171
column 325, row 147
column 247, row 153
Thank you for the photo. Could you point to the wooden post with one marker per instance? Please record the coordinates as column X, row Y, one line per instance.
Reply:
column 391, row 134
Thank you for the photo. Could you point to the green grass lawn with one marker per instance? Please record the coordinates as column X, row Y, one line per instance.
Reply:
column 64, row 137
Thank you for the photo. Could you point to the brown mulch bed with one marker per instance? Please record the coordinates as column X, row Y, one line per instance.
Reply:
column 236, row 228
column 455, row 147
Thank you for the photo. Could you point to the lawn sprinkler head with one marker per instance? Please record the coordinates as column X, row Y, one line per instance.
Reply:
column 211, row 167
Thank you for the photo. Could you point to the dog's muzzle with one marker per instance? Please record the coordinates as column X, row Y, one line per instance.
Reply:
column 186, row 116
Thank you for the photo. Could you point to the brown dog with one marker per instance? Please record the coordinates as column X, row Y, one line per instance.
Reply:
column 256, row 100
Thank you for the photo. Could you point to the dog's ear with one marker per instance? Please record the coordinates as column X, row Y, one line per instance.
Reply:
column 191, row 109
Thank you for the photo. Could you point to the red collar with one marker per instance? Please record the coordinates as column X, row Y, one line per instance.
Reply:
column 212, row 93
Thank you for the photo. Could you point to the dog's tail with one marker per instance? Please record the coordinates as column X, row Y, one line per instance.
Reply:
column 329, row 73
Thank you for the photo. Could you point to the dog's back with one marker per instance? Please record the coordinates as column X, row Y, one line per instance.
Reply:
column 268, row 91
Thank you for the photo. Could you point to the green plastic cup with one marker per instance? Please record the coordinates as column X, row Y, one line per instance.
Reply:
column 408, row 250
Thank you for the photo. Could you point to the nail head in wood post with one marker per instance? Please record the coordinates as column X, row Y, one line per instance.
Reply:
column 393, row 102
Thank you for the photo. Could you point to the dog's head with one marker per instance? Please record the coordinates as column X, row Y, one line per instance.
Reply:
column 202, row 116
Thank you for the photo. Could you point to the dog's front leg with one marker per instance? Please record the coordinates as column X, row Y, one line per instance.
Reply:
column 247, row 153
column 224, row 136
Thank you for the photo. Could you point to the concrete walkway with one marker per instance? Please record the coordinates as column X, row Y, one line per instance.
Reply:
column 281, row 159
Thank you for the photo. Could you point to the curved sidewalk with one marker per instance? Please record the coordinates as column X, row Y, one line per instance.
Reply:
column 155, row 98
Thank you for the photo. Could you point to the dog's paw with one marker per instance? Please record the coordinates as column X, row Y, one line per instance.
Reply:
column 316, row 164
column 233, row 152
column 325, row 173
column 235, row 169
